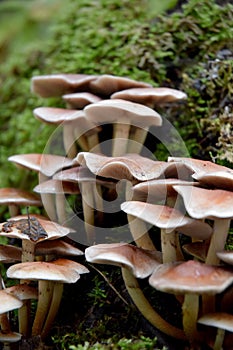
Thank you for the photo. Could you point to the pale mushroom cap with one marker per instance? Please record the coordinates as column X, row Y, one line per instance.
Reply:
column 11, row 337
column 57, row 186
column 59, row 84
column 79, row 100
column 139, row 261
column 191, row 277
column 150, row 96
column 130, row 166
column 62, row 272
column 121, row 111
column 219, row 179
column 53, row 115
column 18, row 197
column 220, row 320
column 52, row 229
column 22, row 291
column 48, row 164
column 106, row 84
column 57, row 247
column 10, row 253
column 8, row 302
column 226, row 256
column 168, row 218
column 201, row 203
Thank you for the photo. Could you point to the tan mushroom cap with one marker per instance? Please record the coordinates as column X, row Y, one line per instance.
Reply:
column 198, row 250
column 79, row 100
column 57, row 186
column 130, row 166
column 64, row 271
column 150, row 96
column 48, row 164
column 18, row 197
column 191, row 277
column 168, row 218
column 10, row 337
column 59, row 84
column 219, row 179
column 201, row 203
column 121, row 111
column 106, row 84
column 22, row 291
column 8, row 302
column 200, row 166
column 139, row 261
column 218, row 319
column 226, row 256
column 10, row 253
column 57, row 247
column 52, row 229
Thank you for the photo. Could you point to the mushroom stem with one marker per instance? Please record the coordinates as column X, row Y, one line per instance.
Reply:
column 190, row 310
column 88, row 211
column 139, row 232
column 218, row 344
column 168, row 246
column 69, row 140
column 48, row 200
column 44, row 299
column 54, row 306
column 13, row 210
column 93, row 143
column 120, row 139
column 137, row 139
column 60, row 200
column 218, row 240
column 146, row 309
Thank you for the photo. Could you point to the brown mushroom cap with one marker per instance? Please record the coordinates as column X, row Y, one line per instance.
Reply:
column 167, row 218
column 219, row 179
column 63, row 271
column 57, row 186
column 10, row 253
column 57, row 247
column 197, row 250
column 150, row 96
column 18, row 197
column 10, row 337
column 47, row 164
column 201, row 203
column 22, row 291
column 139, row 261
column 130, row 166
column 106, row 84
column 79, row 100
column 8, row 302
column 191, row 277
column 226, row 256
column 59, row 84
column 218, row 319
column 121, row 111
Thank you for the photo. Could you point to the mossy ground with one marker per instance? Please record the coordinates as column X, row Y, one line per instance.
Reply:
column 190, row 48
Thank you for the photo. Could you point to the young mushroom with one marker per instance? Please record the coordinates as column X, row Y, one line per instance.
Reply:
column 79, row 100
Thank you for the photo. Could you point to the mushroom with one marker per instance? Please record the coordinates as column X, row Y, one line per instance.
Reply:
column 134, row 262
column 10, row 253
column 58, row 271
column 150, row 96
column 59, row 84
column 216, row 205
column 191, row 279
column 46, row 165
column 220, row 320
column 219, row 179
column 122, row 114
column 75, row 127
column 79, row 100
column 15, row 197
column 170, row 221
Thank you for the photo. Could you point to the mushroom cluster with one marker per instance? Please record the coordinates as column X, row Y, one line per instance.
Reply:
column 177, row 213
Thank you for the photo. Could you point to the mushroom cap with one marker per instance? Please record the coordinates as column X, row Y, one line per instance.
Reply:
column 10, row 253
column 203, row 203
column 53, row 115
column 61, row 270
column 57, row 186
column 107, row 84
column 59, row 84
column 15, row 229
column 79, row 100
column 191, row 277
column 22, row 291
column 167, row 218
column 139, row 261
column 197, row 249
column 121, row 111
column 130, row 166
column 48, row 164
column 18, row 197
column 221, row 320
column 151, row 96
column 10, row 337
column 57, row 247
column 219, row 179
column 226, row 256
column 8, row 302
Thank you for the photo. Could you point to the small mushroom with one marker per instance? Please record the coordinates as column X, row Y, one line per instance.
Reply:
column 79, row 100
